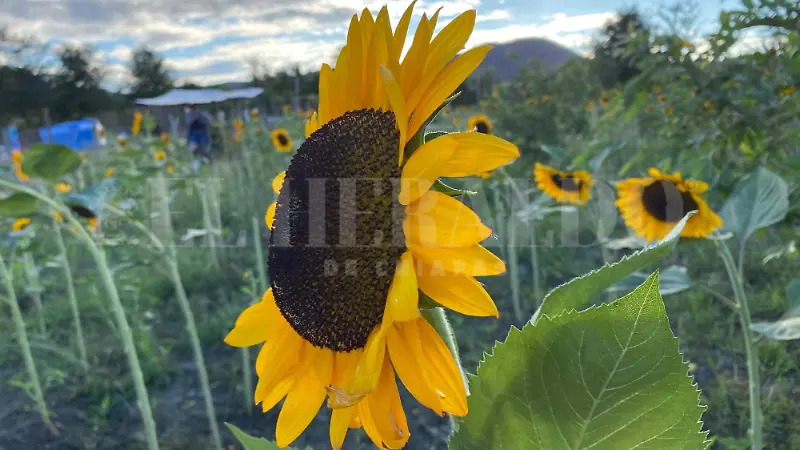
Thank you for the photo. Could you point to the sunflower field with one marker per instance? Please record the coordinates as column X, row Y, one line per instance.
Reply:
column 563, row 264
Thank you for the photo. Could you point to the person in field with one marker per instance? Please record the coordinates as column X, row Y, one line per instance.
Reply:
column 198, row 135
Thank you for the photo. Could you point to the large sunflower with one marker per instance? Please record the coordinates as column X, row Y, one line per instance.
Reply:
column 565, row 187
column 651, row 206
column 357, row 232
column 281, row 140
column 480, row 123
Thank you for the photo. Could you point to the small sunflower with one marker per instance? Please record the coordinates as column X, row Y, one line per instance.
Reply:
column 589, row 106
column 281, row 140
column 656, row 89
column 122, row 141
column 668, row 110
column 604, row 99
column 547, row 97
column 480, row 123
column 785, row 92
column 57, row 215
column 651, row 206
column 340, row 320
column 662, row 98
column 160, row 155
column 533, row 101
column 109, row 172
column 165, row 139
column 93, row 224
column 137, row 123
column 16, row 159
column 565, row 187
column 63, row 188
column 20, row 224
column 169, row 168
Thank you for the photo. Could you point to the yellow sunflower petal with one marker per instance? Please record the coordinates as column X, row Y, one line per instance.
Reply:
column 399, row 38
column 389, row 419
column 403, row 297
column 405, row 351
column 443, row 49
column 398, row 107
column 326, row 93
column 460, row 293
column 272, row 393
column 277, row 182
column 305, row 397
column 473, row 261
column 269, row 218
column 443, row 370
column 445, row 83
column 340, row 422
column 414, row 61
column 424, row 167
column 478, row 153
column 438, row 220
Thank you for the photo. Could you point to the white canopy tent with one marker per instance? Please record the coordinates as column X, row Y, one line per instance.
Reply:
column 178, row 97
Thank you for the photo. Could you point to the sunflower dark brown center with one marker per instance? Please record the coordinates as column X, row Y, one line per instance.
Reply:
column 567, row 183
column 482, row 127
column 283, row 139
column 338, row 230
column 665, row 202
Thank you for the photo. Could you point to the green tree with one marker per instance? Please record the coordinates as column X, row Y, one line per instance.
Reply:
column 78, row 84
column 151, row 75
column 625, row 41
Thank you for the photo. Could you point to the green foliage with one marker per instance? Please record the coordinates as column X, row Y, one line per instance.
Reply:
column 577, row 292
column 605, row 378
column 90, row 202
column 18, row 204
column 49, row 161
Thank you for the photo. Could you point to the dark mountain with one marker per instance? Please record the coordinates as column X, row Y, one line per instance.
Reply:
column 508, row 58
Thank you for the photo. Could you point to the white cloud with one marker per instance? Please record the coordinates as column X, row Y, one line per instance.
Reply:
column 498, row 14
column 570, row 31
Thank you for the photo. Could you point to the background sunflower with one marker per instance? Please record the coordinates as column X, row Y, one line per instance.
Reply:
column 651, row 206
column 480, row 123
column 563, row 186
column 281, row 140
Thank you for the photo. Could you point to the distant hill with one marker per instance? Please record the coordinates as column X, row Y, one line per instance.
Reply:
column 508, row 58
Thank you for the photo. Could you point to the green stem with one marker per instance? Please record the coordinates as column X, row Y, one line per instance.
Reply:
column 73, row 299
column 124, row 328
column 753, row 365
column 25, row 346
column 210, row 238
column 513, row 274
column 262, row 272
column 35, row 289
column 191, row 327
column 537, row 289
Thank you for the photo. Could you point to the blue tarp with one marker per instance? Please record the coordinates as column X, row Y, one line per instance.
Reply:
column 78, row 135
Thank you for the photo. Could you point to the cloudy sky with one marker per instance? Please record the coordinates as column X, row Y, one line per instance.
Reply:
column 210, row 41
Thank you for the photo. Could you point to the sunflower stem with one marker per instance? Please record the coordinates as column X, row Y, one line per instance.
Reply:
column 537, row 290
column 34, row 288
column 513, row 272
column 73, row 299
column 172, row 261
column 123, row 326
column 25, row 346
column 210, row 238
column 753, row 365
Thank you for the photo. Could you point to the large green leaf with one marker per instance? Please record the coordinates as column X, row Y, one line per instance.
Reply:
column 254, row 443
column 18, row 204
column 49, row 161
column 91, row 201
column 579, row 291
column 607, row 378
column 757, row 202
